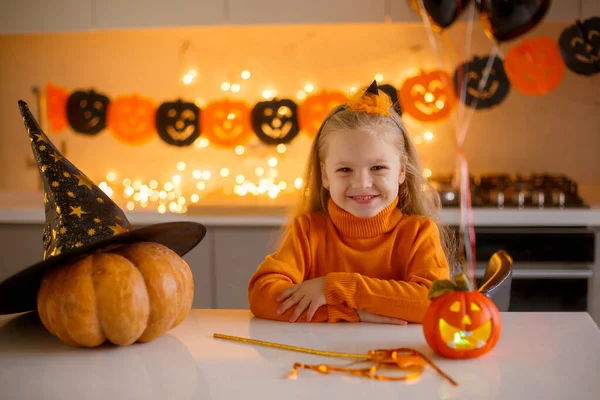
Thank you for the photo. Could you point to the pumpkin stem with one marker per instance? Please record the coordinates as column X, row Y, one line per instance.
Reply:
column 445, row 286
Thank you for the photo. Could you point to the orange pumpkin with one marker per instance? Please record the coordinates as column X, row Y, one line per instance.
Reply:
column 460, row 322
column 535, row 66
column 131, row 119
column 227, row 123
column 428, row 96
column 131, row 293
column 315, row 108
column 56, row 107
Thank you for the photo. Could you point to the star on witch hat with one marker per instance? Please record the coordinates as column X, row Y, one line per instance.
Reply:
column 80, row 219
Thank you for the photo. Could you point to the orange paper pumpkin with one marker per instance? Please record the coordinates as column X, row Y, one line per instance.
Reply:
column 315, row 108
column 56, row 107
column 460, row 322
column 428, row 96
column 535, row 66
column 131, row 119
column 227, row 123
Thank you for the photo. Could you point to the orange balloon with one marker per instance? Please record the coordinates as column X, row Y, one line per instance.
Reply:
column 131, row 119
column 56, row 107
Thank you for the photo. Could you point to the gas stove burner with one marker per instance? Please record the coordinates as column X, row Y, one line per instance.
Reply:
column 513, row 191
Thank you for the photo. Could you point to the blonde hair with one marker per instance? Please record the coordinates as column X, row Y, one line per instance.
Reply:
column 416, row 196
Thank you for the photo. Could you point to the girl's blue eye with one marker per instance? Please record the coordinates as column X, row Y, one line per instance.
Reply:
column 378, row 168
column 344, row 170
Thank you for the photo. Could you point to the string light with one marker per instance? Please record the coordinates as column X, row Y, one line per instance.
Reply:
column 267, row 94
column 239, row 150
column 225, row 86
column 189, row 76
column 180, row 166
column 224, row 172
column 281, row 148
column 197, row 174
column 176, row 179
column 300, row 94
column 428, row 136
column 427, row 173
column 235, row 88
column 240, row 179
column 206, row 175
column 353, row 90
column 439, row 104
column 429, row 97
column 298, row 183
column 259, row 171
column 272, row 162
column 110, row 176
column 309, row 87
column 245, row 74
column 379, row 78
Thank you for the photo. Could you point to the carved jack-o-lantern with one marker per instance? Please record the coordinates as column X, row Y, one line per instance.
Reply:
column 315, row 108
column 86, row 112
column 535, row 66
column 473, row 74
column 226, row 123
column 275, row 121
column 428, row 96
column 56, row 107
column 580, row 46
column 177, row 123
column 460, row 322
column 131, row 119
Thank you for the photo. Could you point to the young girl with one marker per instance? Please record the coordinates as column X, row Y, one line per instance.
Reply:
column 363, row 246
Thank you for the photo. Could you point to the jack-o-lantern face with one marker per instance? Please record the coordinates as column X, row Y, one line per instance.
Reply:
column 56, row 109
column 131, row 119
column 177, row 123
column 227, row 123
column 580, row 46
column 275, row 121
column 86, row 112
column 535, row 66
column 428, row 96
column 472, row 73
column 315, row 108
column 462, row 324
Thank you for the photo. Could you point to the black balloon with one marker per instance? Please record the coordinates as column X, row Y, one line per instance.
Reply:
column 580, row 46
column 496, row 86
column 505, row 20
column 275, row 121
column 441, row 13
column 86, row 112
column 177, row 123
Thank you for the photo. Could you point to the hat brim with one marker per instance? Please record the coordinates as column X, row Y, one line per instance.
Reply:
column 18, row 293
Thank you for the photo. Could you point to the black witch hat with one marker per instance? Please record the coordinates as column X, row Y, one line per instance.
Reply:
column 80, row 219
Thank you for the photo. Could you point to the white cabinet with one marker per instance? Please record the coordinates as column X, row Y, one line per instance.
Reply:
column 35, row 16
column 305, row 11
column 117, row 14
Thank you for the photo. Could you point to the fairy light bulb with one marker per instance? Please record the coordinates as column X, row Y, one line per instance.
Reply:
column 199, row 101
column 353, row 89
column 298, row 183
column 224, row 172
column 204, row 142
column 168, row 186
column 176, row 179
column 130, row 205
column 240, row 179
column 439, row 104
column 429, row 97
column 300, row 94
column 197, row 174
column 201, row 185
column 206, row 175
column 267, row 94
column 225, row 86
column 427, row 173
column 194, row 198
column 110, row 176
column 259, row 171
column 162, row 209
column 272, row 162
column 180, row 166
column 281, row 148
column 239, row 150
column 235, row 88
column 309, row 87
column 428, row 136
column 126, row 182
column 245, row 74
column 153, row 184
column 379, row 78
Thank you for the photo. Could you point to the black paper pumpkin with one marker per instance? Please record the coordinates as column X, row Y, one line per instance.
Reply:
column 472, row 72
column 177, row 123
column 275, row 121
column 86, row 112
column 393, row 93
column 580, row 46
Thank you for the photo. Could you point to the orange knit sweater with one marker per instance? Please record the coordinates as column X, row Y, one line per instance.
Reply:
column 383, row 265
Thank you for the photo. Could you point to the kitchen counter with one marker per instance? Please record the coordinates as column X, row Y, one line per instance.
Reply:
column 536, row 357
column 26, row 208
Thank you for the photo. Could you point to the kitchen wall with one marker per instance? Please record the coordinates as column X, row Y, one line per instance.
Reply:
column 557, row 133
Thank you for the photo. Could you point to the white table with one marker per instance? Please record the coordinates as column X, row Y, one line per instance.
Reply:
column 540, row 355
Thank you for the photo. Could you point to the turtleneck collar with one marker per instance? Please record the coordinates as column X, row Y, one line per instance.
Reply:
column 353, row 226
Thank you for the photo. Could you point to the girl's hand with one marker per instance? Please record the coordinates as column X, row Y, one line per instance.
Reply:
column 379, row 319
column 308, row 295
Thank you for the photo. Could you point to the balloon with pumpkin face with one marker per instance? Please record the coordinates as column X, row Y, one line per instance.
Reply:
column 535, row 66
column 460, row 322
column 483, row 87
column 580, row 46
column 226, row 123
column 428, row 96
column 275, row 121
column 131, row 119
column 315, row 108
column 87, row 112
column 56, row 107
column 177, row 123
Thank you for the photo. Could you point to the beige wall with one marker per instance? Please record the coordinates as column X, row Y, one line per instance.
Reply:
column 557, row 133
